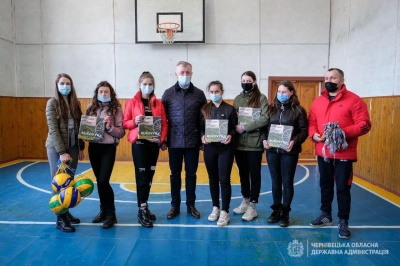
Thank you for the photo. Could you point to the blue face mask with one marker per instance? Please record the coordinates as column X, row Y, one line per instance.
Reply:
column 65, row 90
column 184, row 81
column 103, row 99
column 282, row 97
column 146, row 89
column 215, row 97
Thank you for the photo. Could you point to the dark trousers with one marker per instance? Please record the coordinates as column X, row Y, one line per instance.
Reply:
column 339, row 172
column 218, row 159
column 145, row 155
column 102, row 158
column 282, row 168
column 249, row 164
column 190, row 156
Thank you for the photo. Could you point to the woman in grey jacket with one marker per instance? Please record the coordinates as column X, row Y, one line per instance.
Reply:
column 63, row 113
column 102, row 153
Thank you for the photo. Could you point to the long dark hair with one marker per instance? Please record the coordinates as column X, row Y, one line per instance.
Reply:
column 254, row 101
column 206, row 109
column 293, row 101
column 144, row 75
column 112, row 106
column 73, row 105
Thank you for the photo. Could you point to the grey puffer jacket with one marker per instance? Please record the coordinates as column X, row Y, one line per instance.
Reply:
column 183, row 113
column 57, row 136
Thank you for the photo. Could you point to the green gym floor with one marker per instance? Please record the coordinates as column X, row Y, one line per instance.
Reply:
column 28, row 235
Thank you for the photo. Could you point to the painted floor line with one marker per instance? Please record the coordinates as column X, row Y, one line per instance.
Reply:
column 211, row 225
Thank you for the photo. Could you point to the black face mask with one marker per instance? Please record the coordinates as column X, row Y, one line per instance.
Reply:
column 247, row 86
column 331, row 87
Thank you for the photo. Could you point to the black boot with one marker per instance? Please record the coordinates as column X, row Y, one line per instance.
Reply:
column 101, row 216
column 144, row 218
column 64, row 224
column 275, row 215
column 284, row 222
column 111, row 219
column 151, row 215
column 72, row 219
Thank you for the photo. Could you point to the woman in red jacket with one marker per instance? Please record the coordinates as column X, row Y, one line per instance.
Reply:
column 144, row 151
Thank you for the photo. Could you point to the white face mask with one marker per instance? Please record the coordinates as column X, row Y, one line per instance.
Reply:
column 64, row 89
column 184, row 81
column 147, row 89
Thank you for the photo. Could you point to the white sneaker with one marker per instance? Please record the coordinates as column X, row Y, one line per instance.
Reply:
column 242, row 207
column 223, row 219
column 250, row 213
column 214, row 214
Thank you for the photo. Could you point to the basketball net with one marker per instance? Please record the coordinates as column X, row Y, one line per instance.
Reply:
column 167, row 31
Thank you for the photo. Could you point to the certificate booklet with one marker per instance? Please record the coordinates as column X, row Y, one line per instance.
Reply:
column 216, row 130
column 248, row 114
column 91, row 128
column 279, row 136
column 150, row 127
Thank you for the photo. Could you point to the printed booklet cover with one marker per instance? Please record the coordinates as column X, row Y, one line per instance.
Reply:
column 248, row 114
column 91, row 128
column 279, row 136
column 216, row 130
column 150, row 128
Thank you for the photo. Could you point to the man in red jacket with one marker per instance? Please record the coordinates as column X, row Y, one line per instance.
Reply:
column 349, row 113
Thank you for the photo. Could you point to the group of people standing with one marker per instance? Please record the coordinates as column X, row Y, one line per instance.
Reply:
column 184, row 110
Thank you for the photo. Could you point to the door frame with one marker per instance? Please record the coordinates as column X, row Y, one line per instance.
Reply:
column 272, row 79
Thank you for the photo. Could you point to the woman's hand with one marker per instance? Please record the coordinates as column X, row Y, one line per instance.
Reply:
column 289, row 148
column 108, row 121
column 266, row 144
column 227, row 139
column 240, row 129
column 203, row 140
column 139, row 119
column 64, row 158
column 154, row 140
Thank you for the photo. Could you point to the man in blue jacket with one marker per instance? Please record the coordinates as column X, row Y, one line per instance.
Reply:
column 182, row 104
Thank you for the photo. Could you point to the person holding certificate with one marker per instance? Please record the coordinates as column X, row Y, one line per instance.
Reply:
column 218, row 149
column 251, row 106
column 283, row 148
column 144, row 151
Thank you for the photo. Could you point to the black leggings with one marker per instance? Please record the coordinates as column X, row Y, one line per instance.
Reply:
column 218, row 159
column 145, row 155
column 102, row 158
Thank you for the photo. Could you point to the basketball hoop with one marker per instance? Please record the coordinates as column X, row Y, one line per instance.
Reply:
column 167, row 31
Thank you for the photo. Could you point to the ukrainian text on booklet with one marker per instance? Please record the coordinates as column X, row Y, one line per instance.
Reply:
column 216, row 130
column 91, row 128
column 279, row 136
column 150, row 127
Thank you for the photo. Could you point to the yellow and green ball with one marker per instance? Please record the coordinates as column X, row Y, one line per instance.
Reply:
column 61, row 181
column 56, row 206
column 84, row 185
column 70, row 197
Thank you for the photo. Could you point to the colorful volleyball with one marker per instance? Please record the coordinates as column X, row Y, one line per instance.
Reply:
column 84, row 185
column 70, row 197
column 61, row 181
column 56, row 206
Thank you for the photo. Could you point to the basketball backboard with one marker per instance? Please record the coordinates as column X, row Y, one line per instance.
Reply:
column 188, row 14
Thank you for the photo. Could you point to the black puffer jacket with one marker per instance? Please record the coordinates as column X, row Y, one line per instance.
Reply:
column 297, row 118
column 183, row 114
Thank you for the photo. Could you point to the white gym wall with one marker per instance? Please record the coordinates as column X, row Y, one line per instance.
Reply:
column 95, row 40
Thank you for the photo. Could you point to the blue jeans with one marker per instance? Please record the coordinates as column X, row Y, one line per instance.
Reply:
column 282, row 168
column 339, row 172
column 191, row 158
column 53, row 157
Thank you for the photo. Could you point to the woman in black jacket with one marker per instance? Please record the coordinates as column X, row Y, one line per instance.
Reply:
column 282, row 161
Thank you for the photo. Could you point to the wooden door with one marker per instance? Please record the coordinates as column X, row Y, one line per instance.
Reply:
column 307, row 90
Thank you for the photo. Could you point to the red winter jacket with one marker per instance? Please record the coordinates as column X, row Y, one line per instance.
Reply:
column 351, row 113
column 135, row 107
